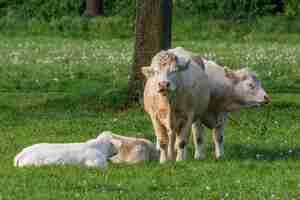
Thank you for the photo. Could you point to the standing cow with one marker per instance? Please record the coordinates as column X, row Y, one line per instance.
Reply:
column 176, row 95
column 229, row 91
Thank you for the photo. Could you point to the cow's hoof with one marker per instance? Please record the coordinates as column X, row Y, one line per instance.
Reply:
column 198, row 156
column 219, row 157
column 162, row 161
column 181, row 158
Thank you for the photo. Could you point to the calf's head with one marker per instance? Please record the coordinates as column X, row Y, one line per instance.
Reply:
column 247, row 89
column 165, row 67
column 105, row 143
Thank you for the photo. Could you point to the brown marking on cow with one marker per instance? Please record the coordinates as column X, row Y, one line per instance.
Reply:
column 166, row 60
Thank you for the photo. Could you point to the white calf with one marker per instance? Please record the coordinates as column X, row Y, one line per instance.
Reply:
column 93, row 153
column 133, row 150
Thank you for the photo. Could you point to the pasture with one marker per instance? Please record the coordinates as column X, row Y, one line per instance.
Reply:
column 62, row 89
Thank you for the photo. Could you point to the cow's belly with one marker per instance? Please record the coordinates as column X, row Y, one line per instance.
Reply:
column 212, row 120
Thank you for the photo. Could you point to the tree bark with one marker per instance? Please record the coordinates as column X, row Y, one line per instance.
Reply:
column 279, row 8
column 94, row 8
column 166, row 24
column 153, row 33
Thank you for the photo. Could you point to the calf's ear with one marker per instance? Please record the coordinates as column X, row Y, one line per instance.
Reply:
column 117, row 143
column 148, row 71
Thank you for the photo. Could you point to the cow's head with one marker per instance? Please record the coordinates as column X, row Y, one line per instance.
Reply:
column 247, row 89
column 165, row 67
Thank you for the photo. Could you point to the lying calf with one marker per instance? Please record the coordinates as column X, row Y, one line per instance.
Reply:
column 93, row 153
column 133, row 150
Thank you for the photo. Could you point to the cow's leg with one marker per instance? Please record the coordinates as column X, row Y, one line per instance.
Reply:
column 198, row 139
column 171, row 145
column 157, row 145
column 218, row 137
column 162, row 139
column 182, row 139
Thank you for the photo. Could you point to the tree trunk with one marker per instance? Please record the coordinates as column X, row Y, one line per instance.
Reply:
column 94, row 8
column 279, row 6
column 166, row 24
column 153, row 33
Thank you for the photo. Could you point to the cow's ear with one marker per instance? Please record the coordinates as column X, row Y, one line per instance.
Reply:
column 243, row 73
column 231, row 74
column 148, row 71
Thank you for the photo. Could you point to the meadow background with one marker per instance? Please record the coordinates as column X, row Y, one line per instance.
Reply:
column 64, row 78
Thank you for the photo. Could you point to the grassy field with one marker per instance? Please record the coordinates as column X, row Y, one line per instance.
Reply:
column 55, row 89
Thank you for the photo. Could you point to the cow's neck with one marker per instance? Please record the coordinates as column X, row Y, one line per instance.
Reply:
column 167, row 103
column 168, row 111
column 222, row 96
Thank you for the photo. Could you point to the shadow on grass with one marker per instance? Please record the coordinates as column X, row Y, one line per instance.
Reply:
column 91, row 99
column 99, row 188
column 243, row 152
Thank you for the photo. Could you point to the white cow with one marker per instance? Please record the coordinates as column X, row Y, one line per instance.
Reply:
column 229, row 91
column 176, row 95
column 92, row 153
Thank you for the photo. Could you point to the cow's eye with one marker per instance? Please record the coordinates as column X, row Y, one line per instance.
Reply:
column 251, row 86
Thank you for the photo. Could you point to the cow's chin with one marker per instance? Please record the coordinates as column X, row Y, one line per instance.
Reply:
column 163, row 93
column 253, row 104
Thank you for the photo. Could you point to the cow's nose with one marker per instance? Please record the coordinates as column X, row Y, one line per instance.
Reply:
column 164, row 84
column 267, row 99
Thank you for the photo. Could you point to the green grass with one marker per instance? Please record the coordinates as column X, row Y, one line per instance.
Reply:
column 55, row 89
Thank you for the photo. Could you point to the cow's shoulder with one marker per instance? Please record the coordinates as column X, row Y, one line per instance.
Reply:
column 198, row 59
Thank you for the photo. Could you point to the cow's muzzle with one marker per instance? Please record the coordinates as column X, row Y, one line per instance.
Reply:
column 267, row 99
column 163, row 87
